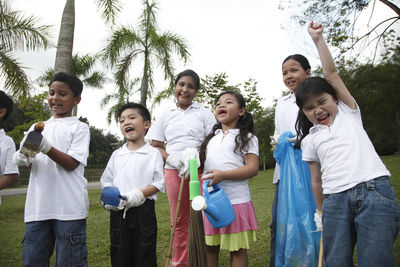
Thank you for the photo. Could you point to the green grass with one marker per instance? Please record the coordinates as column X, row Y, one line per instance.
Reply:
column 12, row 226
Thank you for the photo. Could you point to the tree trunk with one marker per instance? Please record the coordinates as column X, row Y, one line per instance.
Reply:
column 66, row 42
column 66, row 39
column 144, row 87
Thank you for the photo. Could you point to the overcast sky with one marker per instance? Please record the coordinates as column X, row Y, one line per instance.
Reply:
column 242, row 38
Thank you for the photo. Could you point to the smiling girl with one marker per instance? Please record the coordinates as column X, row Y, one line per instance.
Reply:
column 350, row 183
column 181, row 127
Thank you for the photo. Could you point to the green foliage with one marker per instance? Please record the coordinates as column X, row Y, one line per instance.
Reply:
column 376, row 90
column 146, row 42
column 18, row 33
column 101, row 146
column 82, row 67
column 340, row 19
column 25, row 113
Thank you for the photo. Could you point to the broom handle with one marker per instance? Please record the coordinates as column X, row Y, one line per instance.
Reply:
column 321, row 253
column 171, row 238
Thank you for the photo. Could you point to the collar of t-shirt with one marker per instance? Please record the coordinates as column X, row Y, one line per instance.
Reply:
column 289, row 97
column 234, row 131
column 143, row 150
column 193, row 105
column 67, row 119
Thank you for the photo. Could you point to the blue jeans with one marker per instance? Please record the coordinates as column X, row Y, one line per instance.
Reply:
column 69, row 237
column 368, row 214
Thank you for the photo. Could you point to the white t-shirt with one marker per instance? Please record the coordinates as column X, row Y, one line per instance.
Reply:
column 285, row 119
column 54, row 192
column 220, row 155
column 181, row 129
column 344, row 150
column 7, row 150
column 128, row 170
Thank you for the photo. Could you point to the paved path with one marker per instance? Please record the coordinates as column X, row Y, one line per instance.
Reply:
column 22, row 191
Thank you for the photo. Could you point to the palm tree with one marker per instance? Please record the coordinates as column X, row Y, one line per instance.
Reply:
column 109, row 9
column 125, row 90
column 18, row 33
column 153, row 48
column 83, row 68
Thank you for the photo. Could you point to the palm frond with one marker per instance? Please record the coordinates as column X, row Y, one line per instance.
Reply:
column 125, row 38
column 17, row 32
column 15, row 79
column 109, row 9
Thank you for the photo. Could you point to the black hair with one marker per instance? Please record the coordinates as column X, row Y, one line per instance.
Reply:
column 192, row 74
column 7, row 103
column 245, row 125
column 143, row 111
column 73, row 82
column 310, row 87
column 301, row 59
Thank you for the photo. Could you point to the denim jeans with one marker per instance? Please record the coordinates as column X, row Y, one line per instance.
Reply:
column 367, row 214
column 272, row 225
column 134, row 239
column 69, row 237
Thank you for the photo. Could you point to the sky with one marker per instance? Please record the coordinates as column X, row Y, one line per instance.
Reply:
column 244, row 39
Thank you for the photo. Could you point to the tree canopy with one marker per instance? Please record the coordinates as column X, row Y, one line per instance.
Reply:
column 342, row 21
column 146, row 42
column 18, row 32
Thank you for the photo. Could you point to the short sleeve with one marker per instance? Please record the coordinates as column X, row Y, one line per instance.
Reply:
column 79, row 148
column 252, row 146
column 209, row 121
column 157, row 131
column 158, row 179
column 9, row 150
column 106, row 178
column 309, row 153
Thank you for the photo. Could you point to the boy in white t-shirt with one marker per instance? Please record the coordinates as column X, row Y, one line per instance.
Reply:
column 57, row 201
column 136, row 169
column 8, row 170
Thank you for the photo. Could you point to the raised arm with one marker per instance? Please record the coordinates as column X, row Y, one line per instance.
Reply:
column 328, row 65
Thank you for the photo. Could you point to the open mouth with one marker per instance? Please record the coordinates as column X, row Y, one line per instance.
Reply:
column 129, row 130
column 324, row 120
column 221, row 112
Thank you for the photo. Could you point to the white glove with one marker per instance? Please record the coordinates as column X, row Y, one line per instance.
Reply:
column 45, row 146
column 175, row 161
column 21, row 160
column 135, row 198
column 108, row 207
column 274, row 141
column 188, row 153
column 318, row 220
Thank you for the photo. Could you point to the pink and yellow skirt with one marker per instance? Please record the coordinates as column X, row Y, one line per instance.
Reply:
column 238, row 234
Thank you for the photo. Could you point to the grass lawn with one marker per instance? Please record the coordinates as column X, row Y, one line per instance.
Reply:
column 12, row 226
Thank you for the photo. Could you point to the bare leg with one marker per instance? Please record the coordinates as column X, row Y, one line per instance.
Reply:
column 239, row 258
column 212, row 256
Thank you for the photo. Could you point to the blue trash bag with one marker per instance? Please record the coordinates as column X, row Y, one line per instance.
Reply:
column 297, row 243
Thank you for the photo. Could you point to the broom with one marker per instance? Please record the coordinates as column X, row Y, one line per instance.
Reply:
column 197, row 244
column 321, row 253
column 171, row 238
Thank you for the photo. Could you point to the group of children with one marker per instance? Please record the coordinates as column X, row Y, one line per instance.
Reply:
column 351, row 185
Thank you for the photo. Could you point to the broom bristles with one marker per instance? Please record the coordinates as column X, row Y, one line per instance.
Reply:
column 197, row 243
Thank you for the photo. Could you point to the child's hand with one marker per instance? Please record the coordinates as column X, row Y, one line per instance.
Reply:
column 21, row 160
column 135, row 198
column 215, row 176
column 315, row 30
